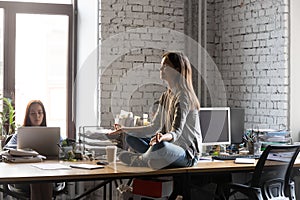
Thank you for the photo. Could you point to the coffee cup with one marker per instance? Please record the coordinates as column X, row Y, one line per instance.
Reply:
column 111, row 154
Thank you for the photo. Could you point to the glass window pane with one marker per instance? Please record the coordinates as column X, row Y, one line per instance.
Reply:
column 43, row 1
column 1, row 52
column 41, row 65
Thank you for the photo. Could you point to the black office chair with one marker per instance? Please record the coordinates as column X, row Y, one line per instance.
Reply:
column 22, row 191
column 271, row 177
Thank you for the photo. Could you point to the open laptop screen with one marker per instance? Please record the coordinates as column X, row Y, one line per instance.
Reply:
column 44, row 140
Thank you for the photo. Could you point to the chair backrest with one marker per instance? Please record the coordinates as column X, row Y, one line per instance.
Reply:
column 273, row 170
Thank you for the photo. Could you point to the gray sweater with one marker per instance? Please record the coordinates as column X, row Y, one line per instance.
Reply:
column 174, row 116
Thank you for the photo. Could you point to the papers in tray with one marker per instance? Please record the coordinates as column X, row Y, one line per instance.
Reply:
column 99, row 134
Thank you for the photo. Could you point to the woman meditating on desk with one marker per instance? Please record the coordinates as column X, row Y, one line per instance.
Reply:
column 35, row 116
column 175, row 130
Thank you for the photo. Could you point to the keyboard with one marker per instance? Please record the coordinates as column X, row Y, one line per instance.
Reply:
column 233, row 157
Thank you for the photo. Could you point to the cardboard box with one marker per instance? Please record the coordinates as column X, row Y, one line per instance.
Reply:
column 152, row 187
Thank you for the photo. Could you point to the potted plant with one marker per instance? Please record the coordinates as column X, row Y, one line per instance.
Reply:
column 7, row 119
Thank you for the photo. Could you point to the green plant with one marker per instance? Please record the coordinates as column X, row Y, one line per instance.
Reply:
column 7, row 115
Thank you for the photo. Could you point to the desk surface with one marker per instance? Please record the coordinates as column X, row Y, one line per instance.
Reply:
column 26, row 172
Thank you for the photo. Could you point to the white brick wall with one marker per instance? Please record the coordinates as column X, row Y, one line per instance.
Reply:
column 249, row 41
column 134, row 34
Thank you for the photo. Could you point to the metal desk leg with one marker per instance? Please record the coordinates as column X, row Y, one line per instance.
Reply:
column 181, row 183
column 110, row 191
column 103, row 184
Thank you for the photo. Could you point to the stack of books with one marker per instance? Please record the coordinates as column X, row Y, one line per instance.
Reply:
column 21, row 156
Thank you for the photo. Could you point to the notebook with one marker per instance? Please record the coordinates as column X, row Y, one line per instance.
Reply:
column 86, row 166
column 44, row 140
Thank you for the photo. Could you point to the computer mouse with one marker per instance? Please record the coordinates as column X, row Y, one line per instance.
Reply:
column 102, row 163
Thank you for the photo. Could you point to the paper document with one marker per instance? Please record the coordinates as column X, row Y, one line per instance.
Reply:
column 51, row 166
column 245, row 160
column 283, row 157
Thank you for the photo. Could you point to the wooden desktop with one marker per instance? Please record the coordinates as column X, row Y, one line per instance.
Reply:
column 26, row 173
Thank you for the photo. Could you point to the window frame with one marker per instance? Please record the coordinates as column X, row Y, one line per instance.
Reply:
column 10, row 11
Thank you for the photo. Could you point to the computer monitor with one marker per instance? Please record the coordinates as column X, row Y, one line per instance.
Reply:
column 237, row 120
column 215, row 125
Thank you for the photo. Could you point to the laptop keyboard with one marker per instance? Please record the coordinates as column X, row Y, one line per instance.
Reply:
column 233, row 157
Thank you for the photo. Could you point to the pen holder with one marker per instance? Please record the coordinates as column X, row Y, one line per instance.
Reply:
column 250, row 147
column 254, row 148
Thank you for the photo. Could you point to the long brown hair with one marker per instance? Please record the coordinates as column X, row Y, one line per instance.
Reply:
column 182, row 65
column 27, row 121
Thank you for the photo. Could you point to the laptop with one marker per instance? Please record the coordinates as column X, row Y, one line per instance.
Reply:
column 44, row 140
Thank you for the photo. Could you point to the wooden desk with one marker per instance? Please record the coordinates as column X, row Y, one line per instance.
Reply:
column 25, row 172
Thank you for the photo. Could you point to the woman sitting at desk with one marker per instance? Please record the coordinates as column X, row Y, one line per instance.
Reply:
column 175, row 130
column 35, row 116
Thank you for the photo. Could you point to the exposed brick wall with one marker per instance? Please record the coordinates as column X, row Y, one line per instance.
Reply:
column 249, row 42
column 133, row 35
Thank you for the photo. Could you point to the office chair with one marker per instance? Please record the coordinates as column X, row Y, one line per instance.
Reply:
column 271, row 177
column 23, row 193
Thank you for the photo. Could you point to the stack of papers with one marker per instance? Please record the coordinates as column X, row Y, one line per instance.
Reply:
column 22, row 159
column 21, row 156
column 22, row 152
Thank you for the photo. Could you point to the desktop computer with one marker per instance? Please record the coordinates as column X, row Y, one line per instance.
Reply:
column 222, row 126
column 237, row 121
column 215, row 125
column 215, row 128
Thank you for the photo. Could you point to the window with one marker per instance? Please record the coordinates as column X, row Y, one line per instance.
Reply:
column 37, row 60
column 43, row 1
column 1, row 49
column 41, row 54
